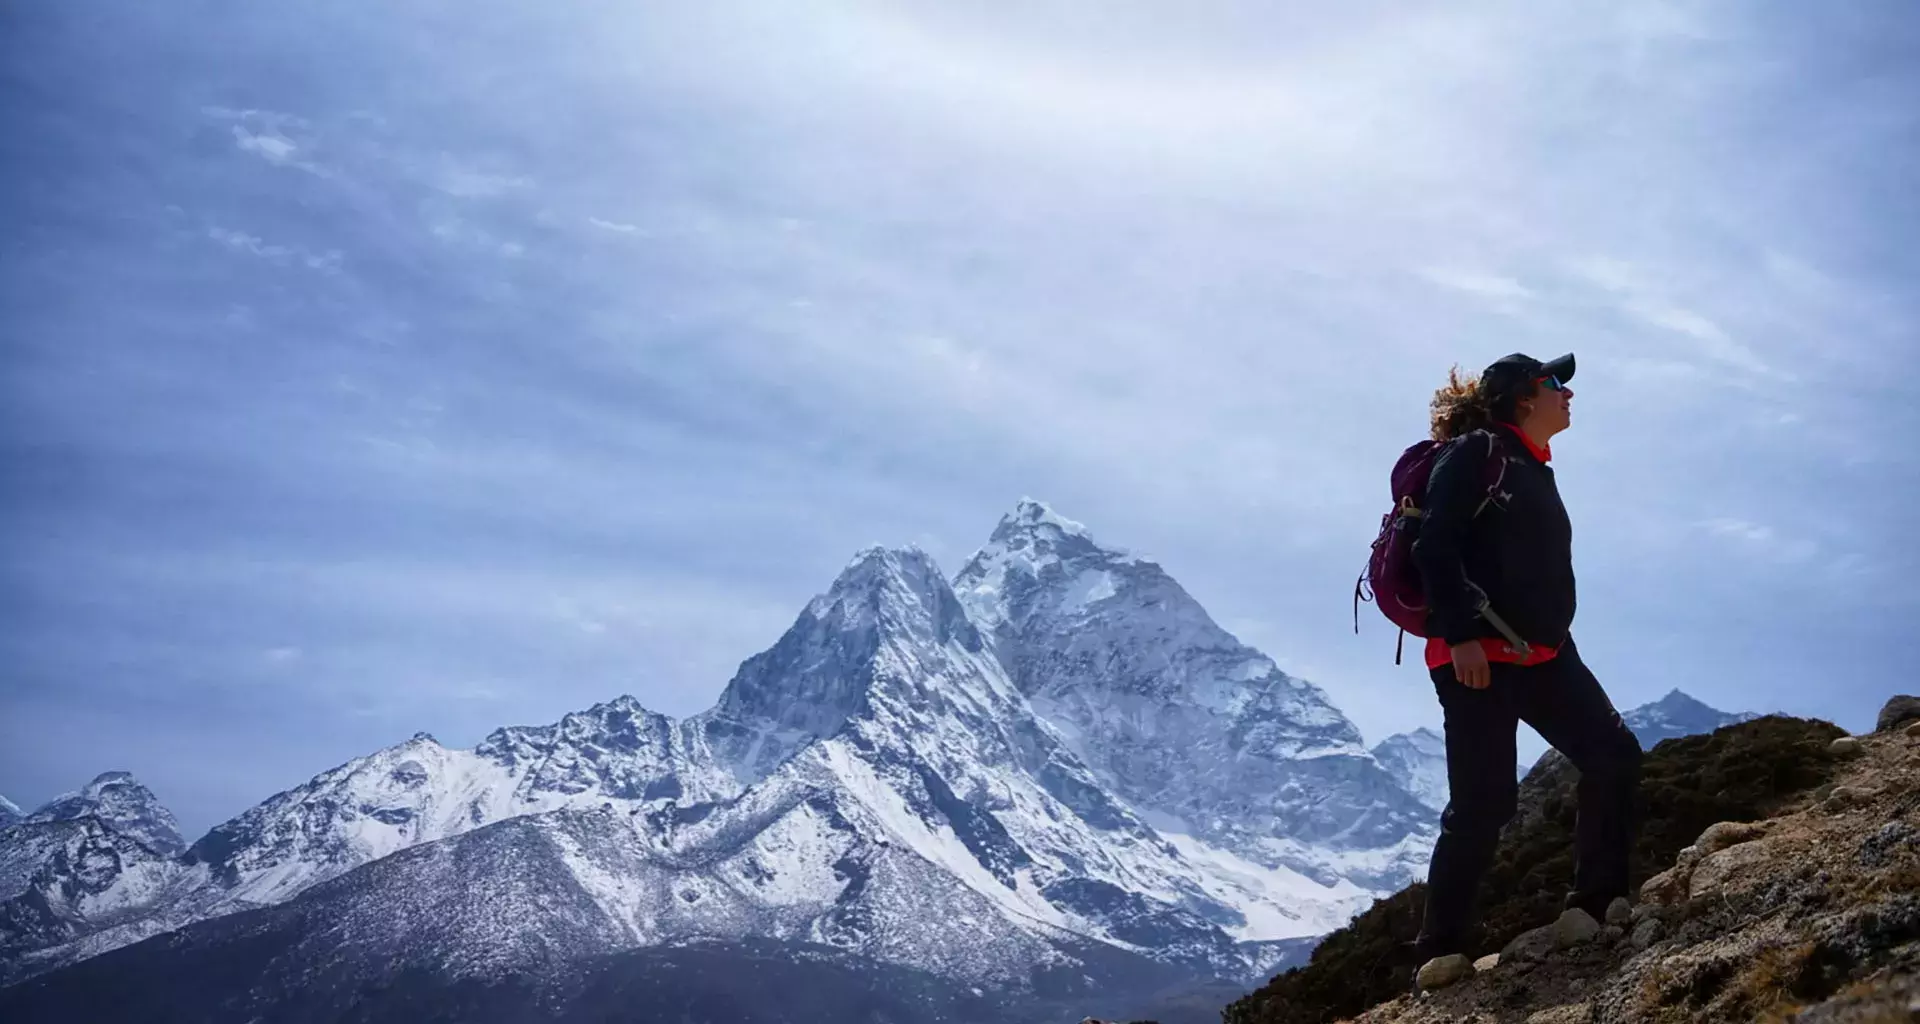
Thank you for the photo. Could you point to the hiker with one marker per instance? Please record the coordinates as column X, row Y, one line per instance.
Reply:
column 1497, row 566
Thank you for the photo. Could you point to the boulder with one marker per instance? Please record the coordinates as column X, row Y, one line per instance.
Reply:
column 1486, row 963
column 1619, row 911
column 1530, row 945
column 1845, row 746
column 1574, row 927
column 1645, row 933
column 1718, row 868
column 1727, row 833
column 1668, row 886
column 1612, row 934
column 1688, row 857
column 1904, row 708
column 1442, row 971
column 1913, row 731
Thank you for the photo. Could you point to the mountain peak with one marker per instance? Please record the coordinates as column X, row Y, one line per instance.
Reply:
column 1677, row 714
column 9, row 812
column 1417, row 760
column 889, row 607
column 1031, row 513
column 119, row 799
column 875, row 566
column 1677, row 698
column 1033, row 527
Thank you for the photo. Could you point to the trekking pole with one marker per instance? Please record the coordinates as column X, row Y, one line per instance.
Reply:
column 1519, row 646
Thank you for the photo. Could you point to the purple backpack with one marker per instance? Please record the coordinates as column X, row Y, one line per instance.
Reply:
column 1392, row 580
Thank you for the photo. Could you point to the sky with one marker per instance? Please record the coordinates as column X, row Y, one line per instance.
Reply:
column 383, row 367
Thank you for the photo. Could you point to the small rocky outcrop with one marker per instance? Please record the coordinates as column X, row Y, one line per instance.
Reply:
column 1810, row 916
column 1781, row 882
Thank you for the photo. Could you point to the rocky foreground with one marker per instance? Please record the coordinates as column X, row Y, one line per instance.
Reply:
column 1810, row 914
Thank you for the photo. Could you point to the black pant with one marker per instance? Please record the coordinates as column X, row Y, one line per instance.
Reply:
column 1564, row 703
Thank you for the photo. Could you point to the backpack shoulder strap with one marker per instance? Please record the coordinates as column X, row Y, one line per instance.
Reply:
column 1493, row 471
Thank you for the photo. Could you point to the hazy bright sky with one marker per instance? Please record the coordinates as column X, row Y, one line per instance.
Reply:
column 419, row 364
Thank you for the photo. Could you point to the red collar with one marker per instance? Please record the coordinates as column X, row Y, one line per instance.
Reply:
column 1544, row 454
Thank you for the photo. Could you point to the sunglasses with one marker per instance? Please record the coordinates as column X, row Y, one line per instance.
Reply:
column 1552, row 384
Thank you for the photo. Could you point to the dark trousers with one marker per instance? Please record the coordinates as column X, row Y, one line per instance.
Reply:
column 1565, row 704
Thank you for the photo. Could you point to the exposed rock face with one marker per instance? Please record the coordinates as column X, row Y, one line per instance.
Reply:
column 1901, row 709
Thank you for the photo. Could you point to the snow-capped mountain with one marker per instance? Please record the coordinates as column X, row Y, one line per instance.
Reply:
column 9, row 812
column 1417, row 760
column 82, row 862
column 1204, row 735
column 118, row 799
column 1675, row 715
column 1051, row 766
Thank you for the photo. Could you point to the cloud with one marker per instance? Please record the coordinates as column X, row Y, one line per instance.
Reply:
column 608, row 225
column 1763, row 539
column 254, row 245
column 1739, row 529
column 263, row 134
column 1491, row 286
column 269, row 146
column 468, row 183
column 1636, row 295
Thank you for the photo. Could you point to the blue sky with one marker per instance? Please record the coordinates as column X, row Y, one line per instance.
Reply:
column 384, row 367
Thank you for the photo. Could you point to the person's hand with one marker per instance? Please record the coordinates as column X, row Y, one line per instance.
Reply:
column 1470, row 665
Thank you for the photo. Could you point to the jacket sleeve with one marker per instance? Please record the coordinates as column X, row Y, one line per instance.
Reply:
column 1454, row 493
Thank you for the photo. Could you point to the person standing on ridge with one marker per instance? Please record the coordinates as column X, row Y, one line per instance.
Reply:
column 1497, row 565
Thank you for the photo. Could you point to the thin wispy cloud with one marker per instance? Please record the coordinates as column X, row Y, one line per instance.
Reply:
column 615, row 360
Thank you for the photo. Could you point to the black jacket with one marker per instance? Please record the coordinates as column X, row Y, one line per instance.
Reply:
column 1518, row 549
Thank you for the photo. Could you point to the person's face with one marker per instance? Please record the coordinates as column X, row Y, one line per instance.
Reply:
column 1550, row 408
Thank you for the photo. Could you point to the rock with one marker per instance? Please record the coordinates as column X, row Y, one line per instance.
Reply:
column 1689, row 856
column 1619, row 911
column 1486, row 963
column 1530, row 945
column 1718, row 868
column 1727, row 833
column 1442, row 971
column 1878, row 849
column 1642, row 911
column 1645, row 933
column 1913, row 731
column 1612, row 934
column 1900, row 709
column 1666, row 887
column 1574, row 927
column 1845, row 746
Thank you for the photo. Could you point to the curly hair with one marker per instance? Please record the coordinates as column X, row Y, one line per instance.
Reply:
column 1460, row 407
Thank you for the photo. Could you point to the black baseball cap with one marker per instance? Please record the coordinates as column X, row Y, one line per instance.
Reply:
column 1511, row 373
